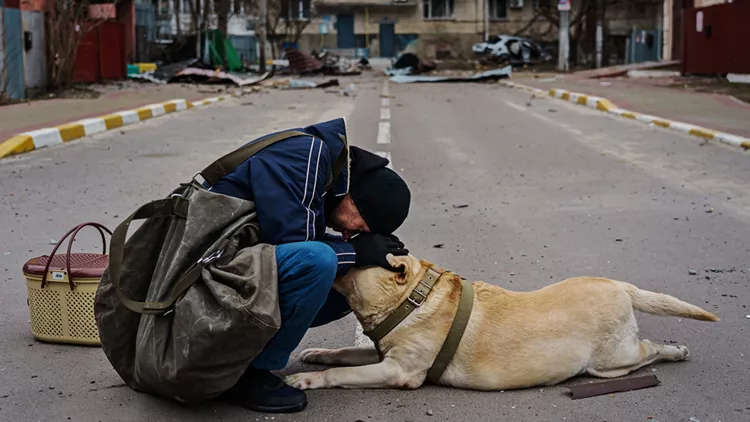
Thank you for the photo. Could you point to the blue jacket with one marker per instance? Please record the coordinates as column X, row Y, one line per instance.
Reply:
column 287, row 182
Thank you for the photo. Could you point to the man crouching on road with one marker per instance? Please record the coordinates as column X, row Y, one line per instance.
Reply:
column 366, row 203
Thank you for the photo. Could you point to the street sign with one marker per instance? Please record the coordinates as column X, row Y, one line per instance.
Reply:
column 563, row 5
column 323, row 28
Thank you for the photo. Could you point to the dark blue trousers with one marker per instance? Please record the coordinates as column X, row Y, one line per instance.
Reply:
column 306, row 271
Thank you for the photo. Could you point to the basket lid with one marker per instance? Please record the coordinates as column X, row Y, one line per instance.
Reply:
column 82, row 265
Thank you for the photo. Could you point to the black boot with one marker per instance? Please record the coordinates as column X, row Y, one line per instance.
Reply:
column 263, row 391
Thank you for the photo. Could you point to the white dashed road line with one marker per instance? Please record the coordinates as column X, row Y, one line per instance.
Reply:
column 383, row 139
column 384, row 133
column 385, row 114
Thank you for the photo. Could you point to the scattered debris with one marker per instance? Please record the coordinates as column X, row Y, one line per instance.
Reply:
column 489, row 75
column 341, row 66
column 325, row 63
column 164, row 74
column 461, row 206
column 429, row 413
column 193, row 74
column 692, row 272
column 438, row 246
column 694, row 419
column 747, row 316
column 409, row 63
column 53, row 242
column 302, row 63
column 306, row 84
column 186, row 72
column 350, row 90
column 364, row 64
column 581, row 391
column 618, row 240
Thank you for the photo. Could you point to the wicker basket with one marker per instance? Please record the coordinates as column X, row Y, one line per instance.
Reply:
column 61, row 292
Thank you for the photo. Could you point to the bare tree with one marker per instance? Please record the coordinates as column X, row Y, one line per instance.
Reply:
column 584, row 15
column 66, row 24
column 222, row 8
column 285, row 21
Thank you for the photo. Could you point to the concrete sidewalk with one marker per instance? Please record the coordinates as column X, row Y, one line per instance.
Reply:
column 18, row 118
column 651, row 96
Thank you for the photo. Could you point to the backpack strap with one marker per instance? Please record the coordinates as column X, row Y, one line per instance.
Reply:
column 226, row 164
column 170, row 207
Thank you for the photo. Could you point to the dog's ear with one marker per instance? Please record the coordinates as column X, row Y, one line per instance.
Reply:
column 402, row 264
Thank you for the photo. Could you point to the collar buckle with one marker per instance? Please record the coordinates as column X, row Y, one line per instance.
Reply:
column 414, row 302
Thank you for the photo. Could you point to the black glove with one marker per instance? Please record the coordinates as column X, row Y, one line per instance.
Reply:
column 372, row 248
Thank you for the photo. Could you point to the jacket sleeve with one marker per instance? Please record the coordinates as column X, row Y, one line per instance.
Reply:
column 344, row 252
column 288, row 182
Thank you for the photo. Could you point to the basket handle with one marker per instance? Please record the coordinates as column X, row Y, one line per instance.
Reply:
column 74, row 231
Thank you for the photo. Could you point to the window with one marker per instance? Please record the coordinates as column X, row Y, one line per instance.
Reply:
column 498, row 9
column 293, row 10
column 437, row 9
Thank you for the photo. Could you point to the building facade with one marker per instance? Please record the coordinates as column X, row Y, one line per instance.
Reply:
column 450, row 27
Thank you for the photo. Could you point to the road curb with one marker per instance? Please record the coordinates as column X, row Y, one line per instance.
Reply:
column 603, row 104
column 45, row 137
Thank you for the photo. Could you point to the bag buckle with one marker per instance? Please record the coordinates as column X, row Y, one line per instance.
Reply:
column 211, row 258
column 195, row 178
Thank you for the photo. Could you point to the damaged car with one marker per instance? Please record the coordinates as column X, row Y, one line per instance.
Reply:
column 509, row 49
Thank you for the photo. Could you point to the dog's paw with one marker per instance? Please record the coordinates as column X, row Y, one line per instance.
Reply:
column 685, row 352
column 314, row 355
column 306, row 380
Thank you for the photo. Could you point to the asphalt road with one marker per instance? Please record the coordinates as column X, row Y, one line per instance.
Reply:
column 551, row 190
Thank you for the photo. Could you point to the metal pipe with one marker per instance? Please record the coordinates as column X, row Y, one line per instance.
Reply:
column 486, row 5
column 263, row 9
column 562, row 60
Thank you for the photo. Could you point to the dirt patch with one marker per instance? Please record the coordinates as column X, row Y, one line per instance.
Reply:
column 713, row 86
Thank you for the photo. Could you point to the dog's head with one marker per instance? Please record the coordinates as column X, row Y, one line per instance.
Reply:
column 373, row 291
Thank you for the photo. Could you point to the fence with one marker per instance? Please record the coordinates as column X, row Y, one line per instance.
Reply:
column 22, row 52
column 716, row 39
column 11, row 54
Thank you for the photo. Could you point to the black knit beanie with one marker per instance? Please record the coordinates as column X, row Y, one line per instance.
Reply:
column 382, row 198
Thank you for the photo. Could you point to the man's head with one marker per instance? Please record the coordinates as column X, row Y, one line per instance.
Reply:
column 377, row 202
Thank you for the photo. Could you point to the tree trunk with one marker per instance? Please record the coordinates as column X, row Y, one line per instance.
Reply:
column 221, row 8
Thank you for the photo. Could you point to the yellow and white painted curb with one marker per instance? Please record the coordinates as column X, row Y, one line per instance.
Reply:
column 602, row 104
column 42, row 138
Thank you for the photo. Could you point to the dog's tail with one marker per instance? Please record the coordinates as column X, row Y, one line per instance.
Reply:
column 665, row 305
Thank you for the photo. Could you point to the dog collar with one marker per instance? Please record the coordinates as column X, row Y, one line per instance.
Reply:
column 416, row 298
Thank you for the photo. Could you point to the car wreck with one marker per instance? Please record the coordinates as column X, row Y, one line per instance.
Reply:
column 509, row 49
